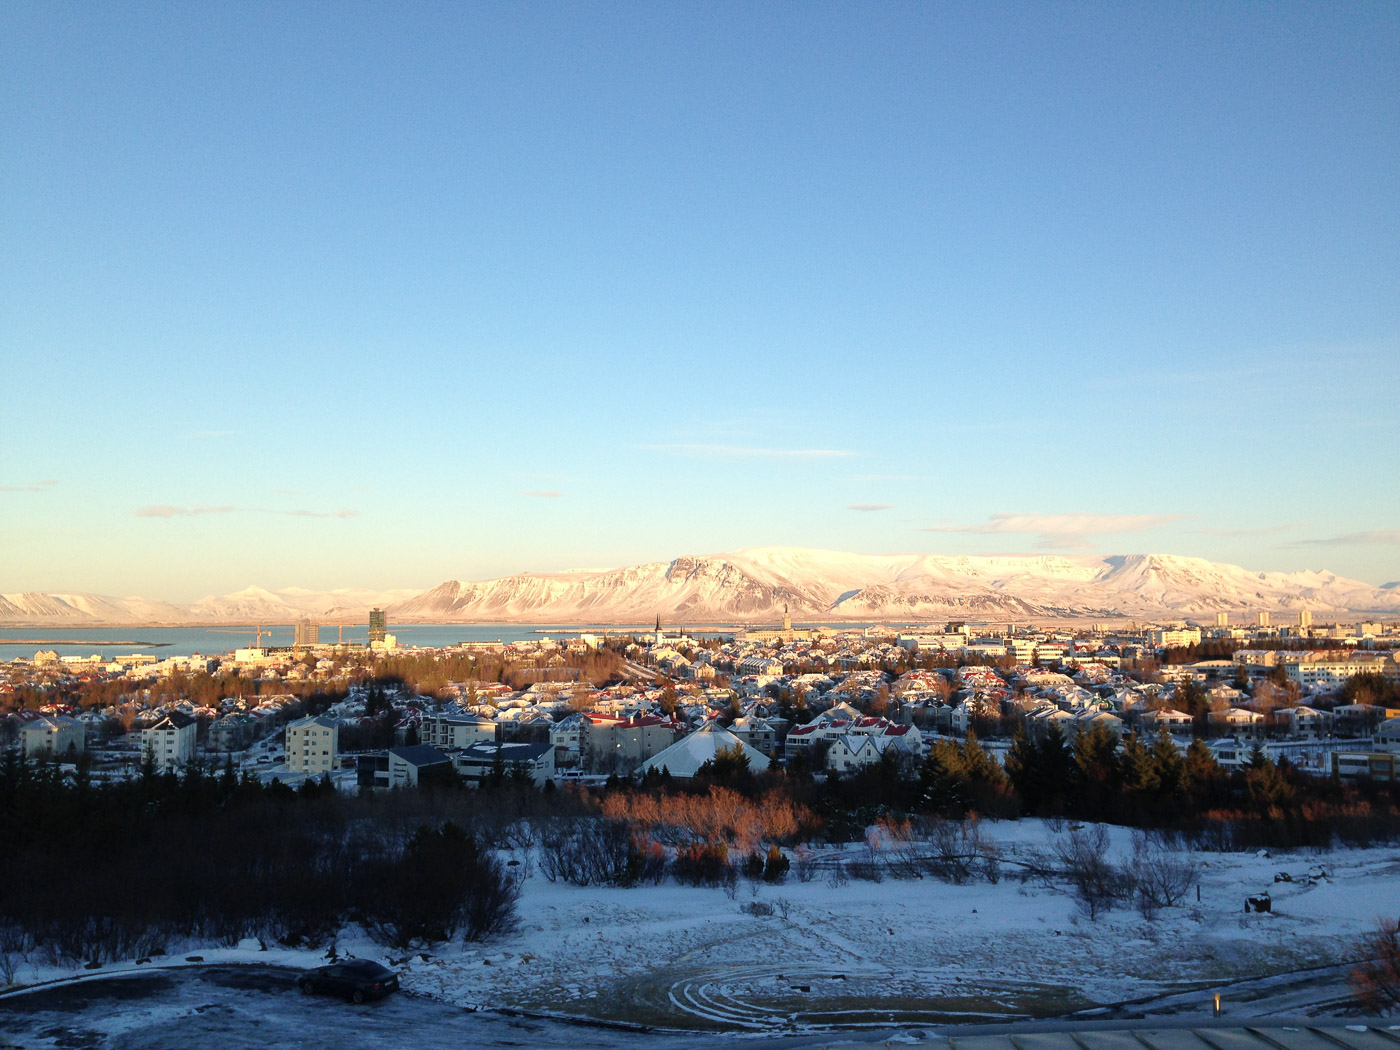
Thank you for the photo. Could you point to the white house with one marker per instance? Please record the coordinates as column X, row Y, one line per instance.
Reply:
column 312, row 746
column 967, row 711
column 1388, row 735
column 1306, row 722
column 1088, row 718
column 754, row 731
column 852, row 752
column 1231, row 752
column 169, row 743
column 1237, row 721
column 51, row 736
column 456, row 731
column 485, row 758
column 685, row 757
column 410, row 765
column 1174, row 721
column 569, row 736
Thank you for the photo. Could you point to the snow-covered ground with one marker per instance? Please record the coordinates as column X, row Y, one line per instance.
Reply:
column 898, row 952
column 908, row 950
column 256, row 1008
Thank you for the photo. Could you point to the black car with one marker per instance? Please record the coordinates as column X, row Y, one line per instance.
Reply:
column 355, row 979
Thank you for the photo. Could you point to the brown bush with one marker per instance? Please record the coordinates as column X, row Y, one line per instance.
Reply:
column 1376, row 977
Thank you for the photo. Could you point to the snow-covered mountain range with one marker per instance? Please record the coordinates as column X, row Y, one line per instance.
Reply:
column 754, row 585
column 250, row 605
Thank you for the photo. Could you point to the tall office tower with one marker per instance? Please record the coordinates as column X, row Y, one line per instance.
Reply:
column 1222, row 619
column 1263, row 619
column 377, row 623
column 1304, row 618
column 308, row 633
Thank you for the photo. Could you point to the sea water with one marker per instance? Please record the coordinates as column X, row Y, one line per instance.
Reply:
column 163, row 642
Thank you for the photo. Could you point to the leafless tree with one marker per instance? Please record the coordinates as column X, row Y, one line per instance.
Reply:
column 1158, row 878
column 1097, row 882
column 1376, row 977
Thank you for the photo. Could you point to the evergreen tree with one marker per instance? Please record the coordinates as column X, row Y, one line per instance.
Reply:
column 942, row 786
column 1056, row 764
column 1267, row 785
column 228, row 781
column 954, row 779
column 1200, row 774
column 1200, row 765
column 1096, row 773
column 979, row 767
column 1025, row 770
column 1168, row 763
column 1139, row 768
column 1191, row 699
column 729, row 766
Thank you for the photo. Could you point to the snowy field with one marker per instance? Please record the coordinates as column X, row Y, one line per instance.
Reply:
column 915, row 951
column 899, row 953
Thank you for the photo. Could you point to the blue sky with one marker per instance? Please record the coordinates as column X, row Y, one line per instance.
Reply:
column 384, row 294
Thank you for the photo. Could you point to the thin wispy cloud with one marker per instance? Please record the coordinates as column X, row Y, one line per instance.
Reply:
column 165, row 510
column 33, row 486
column 870, row 506
column 1062, row 530
column 749, row 452
column 1375, row 537
column 541, row 493
column 1231, row 534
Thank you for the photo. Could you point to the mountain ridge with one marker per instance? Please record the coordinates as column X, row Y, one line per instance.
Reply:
column 757, row 583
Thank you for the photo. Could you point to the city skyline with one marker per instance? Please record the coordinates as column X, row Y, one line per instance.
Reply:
column 380, row 296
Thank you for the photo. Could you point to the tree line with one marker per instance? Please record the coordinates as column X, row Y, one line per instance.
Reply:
column 93, row 872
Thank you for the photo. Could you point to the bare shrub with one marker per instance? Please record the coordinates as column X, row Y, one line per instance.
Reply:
column 838, row 877
column 951, row 855
column 898, row 842
column 719, row 815
column 518, row 835
column 867, row 869
column 1376, row 976
column 598, row 851
column 804, row 864
column 758, row 909
column 650, row 859
column 490, row 909
column 443, row 883
column 1159, row 879
column 989, row 862
column 704, row 864
column 15, row 938
column 1083, row 856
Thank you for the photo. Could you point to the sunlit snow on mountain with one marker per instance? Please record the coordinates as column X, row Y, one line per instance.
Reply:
column 758, row 582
